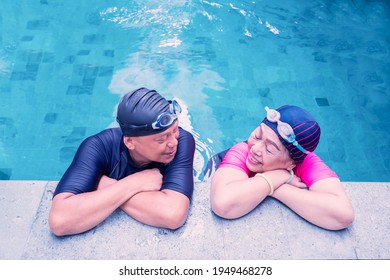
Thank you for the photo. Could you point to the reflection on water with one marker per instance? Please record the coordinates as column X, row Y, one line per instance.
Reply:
column 167, row 20
column 179, row 87
column 4, row 67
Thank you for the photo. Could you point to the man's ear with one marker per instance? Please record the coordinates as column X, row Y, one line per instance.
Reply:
column 129, row 142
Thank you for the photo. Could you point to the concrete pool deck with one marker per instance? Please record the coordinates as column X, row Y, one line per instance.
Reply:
column 271, row 231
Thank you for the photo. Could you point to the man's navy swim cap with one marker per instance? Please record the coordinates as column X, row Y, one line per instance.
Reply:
column 139, row 108
column 307, row 131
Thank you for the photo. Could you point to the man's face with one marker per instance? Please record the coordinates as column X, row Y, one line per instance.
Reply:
column 161, row 147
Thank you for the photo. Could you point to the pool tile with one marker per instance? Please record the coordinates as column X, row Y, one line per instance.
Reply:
column 27, row 38
column 5, row 90
column 5, row 173
column 109, row 53
column 50, row 118
column 94, row 39
column 30, row 73
column 373, row 77
column 264, row 92
column 342, row 45
column 70, row 59
column 34, row 57
column 73, row 90
column 9, row 130
column 106, row 71
column 31, row 76
column 322, row 102
column 94, row 18
column 336, row 150
column 48, row 57
column 88, row 83
column 90, row 72
column 37, row 24
column 32, row 68
column 67, row 154
column 386, row 162
column 18, row 76
column 88, row 90
column 77, row 134
column 83, row 52
column 374, row 47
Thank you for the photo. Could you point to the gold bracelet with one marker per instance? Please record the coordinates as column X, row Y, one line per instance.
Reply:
column 271, row 186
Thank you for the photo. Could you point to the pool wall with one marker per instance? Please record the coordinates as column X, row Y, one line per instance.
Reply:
column 271, row 231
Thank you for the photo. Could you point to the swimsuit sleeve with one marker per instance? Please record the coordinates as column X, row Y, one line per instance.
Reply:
column 88, row 165
column 178, row 174
column 236, row 158
column 313, row 169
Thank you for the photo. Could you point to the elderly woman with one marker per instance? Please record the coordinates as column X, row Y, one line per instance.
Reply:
column 278, row 161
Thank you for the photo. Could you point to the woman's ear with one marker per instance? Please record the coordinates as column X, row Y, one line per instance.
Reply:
column 291, row 165
column 129, row 142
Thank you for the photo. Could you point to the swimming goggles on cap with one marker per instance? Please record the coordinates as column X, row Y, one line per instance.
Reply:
column 284, row 129
column 163, row 120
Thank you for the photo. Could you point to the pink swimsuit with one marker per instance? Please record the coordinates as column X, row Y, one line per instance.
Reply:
column 311, row 170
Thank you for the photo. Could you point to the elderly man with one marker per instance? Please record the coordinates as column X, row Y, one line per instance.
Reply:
column 145, row 167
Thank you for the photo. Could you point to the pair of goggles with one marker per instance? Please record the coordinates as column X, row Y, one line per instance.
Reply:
column 284, row 129
column 163, row 120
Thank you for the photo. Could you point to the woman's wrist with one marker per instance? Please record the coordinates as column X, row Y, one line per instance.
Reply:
column 269, row 182
column 278, row 177
column 291, row 177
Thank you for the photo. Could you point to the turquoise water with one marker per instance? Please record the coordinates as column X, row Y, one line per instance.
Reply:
column 64, row 67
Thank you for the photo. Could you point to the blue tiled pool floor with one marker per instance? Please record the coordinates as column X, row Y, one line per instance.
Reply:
column 64, row 66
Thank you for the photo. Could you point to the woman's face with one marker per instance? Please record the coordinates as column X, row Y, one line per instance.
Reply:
column 266, row 152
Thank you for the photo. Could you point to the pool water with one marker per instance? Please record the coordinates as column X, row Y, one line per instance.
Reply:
column 64, row 67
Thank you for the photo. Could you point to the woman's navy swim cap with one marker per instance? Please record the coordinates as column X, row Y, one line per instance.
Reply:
column 307, row 131
column 139, row 108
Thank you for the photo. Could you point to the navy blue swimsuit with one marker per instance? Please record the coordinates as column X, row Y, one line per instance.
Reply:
column 106, row 154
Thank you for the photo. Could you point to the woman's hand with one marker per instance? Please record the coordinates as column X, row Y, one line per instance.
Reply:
column 297, row 182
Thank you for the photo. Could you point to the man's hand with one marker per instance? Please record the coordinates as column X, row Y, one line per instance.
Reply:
column 147, row 180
